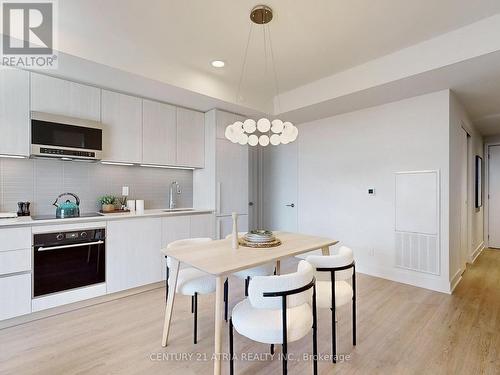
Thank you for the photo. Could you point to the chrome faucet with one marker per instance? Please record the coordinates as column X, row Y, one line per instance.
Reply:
column 172, row 204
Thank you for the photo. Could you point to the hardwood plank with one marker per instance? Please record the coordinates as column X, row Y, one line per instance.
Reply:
column 401, row 330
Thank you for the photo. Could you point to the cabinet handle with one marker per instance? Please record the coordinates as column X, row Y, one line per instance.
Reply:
column 41, row 248
column 291, row 205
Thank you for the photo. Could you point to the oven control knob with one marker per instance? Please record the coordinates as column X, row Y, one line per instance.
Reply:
column 60, row 236
column 84, row 235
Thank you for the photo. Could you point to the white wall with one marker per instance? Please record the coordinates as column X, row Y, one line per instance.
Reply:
column 340, row 157
column 459, row 119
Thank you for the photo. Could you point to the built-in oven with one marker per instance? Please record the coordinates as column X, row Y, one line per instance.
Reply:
column 67, row 138
column 68, row 260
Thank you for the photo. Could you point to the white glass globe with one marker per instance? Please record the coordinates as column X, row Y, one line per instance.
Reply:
column 263, row 140
column 284, row 139
column 275, row 139
column 249, row 126
column 253, row 140
column 238, row 127
column 277, row 126
column 263, row 125
column 294, row 133
column 242, row 139
column 231, row 134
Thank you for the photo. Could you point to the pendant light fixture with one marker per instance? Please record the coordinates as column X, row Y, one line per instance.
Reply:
column 264, row 131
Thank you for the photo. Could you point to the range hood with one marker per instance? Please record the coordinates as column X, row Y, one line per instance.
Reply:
column 65, row 138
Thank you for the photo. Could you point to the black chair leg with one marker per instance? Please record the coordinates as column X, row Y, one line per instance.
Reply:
column 315, row 333
column 285, row 337
column 231, row 349
column 334, row 337
column 192, row 304
column 226, row 298
column 247, row 282
column 272, row 349
column 195, row 317
column 354, row 307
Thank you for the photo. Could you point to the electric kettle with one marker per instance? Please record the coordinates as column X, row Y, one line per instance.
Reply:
column 68, row 208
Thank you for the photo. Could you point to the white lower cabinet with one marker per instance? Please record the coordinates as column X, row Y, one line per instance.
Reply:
column 202, row 226
column 15, row 295
column 132, row 248
column 224, row 225
column 181, row 227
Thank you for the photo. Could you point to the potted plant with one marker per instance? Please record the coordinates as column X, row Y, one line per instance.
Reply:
column 108, row 203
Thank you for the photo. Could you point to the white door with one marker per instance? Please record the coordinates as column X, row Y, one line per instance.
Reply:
column 279, row 198
column 494, row 197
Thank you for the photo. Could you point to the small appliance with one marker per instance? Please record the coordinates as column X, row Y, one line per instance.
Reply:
column 65, row 138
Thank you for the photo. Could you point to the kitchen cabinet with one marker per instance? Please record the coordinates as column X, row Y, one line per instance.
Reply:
column 15, row 295
column 122, row 127
column 63, row 97
column 181, row 227
column 202, row 226
column 232, row 177
column 159, row 133
column 190, row 138
column 14, row 112
column 133, row 253
column 224, row 225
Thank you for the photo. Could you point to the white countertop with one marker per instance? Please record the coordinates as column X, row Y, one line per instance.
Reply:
column 28, row 221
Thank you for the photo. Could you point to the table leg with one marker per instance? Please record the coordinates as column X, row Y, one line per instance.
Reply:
column 218, row 324
column 173, row 273
column 278, row 267
column 325, row 250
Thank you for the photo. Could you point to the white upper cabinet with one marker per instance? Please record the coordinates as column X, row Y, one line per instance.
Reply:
column 122, row 127
column 190, row 138
column 14, row 112
column 159, row 133
column 62, row 97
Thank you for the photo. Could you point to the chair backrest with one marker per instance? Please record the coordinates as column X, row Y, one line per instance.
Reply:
column 344, row 257
column 265, row 284
column 187, row 242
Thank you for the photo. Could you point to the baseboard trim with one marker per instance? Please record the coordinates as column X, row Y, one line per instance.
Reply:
column 455, row 280
column 77, row 305
column 477, row 252
column 413, row 278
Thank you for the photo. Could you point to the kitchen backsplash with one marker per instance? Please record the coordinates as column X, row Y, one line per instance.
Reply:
column 40, row 181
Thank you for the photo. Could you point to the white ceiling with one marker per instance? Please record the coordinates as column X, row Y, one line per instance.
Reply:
column 174, row 41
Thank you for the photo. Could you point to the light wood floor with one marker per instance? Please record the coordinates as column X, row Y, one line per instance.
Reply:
column 401, row 330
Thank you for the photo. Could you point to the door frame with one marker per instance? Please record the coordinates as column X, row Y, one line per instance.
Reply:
column 486, row 198
column 466, row 207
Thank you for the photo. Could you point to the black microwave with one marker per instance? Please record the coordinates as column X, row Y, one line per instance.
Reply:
column 66, row 138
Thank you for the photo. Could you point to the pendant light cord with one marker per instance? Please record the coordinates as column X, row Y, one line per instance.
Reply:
column 273, row 61
column 244, row 63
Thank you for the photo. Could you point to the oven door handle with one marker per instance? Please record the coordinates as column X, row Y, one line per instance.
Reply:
column 41, row 248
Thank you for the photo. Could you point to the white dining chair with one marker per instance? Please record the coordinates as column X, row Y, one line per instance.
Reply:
column 246, row 275
column 278, row 310
column 191, row 281
column 339, row 267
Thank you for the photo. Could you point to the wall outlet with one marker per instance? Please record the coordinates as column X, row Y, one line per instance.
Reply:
column 125, row 191
column 371, row 191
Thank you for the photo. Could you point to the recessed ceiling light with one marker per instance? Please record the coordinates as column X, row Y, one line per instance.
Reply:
column 218, row 64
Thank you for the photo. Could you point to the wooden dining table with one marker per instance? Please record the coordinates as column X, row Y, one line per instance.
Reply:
column 219, row 259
